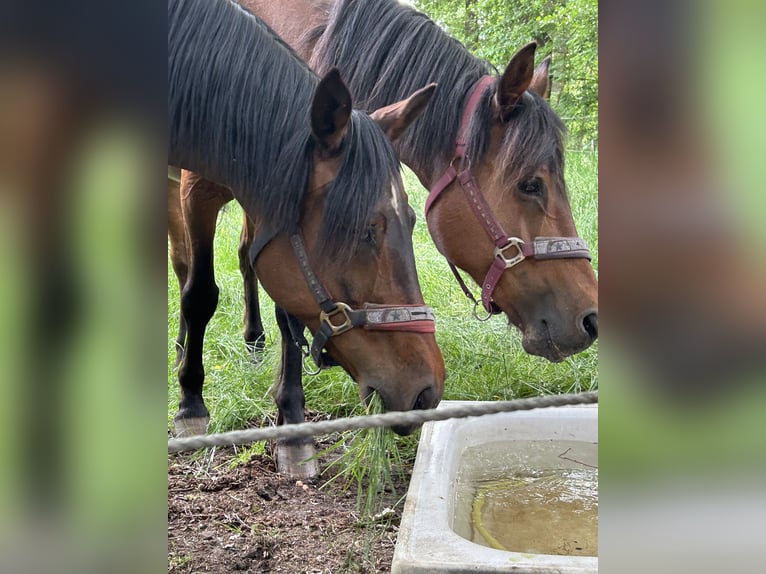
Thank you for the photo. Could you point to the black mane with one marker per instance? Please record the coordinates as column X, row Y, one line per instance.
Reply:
column 239, row 103
column 388, row 50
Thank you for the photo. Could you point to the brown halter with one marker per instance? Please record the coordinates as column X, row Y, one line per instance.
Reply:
column 539, row 248
column 336, row 317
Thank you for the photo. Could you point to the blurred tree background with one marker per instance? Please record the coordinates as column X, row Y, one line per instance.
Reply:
column 566, row 29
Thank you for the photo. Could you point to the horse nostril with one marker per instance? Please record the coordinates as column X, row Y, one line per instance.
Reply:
column 425, row 399
column 590, row 324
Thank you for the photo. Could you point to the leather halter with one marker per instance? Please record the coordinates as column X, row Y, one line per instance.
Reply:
column 336, row 317
column 509, row 251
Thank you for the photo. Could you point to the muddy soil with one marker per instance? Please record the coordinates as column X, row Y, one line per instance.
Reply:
column 245, row 517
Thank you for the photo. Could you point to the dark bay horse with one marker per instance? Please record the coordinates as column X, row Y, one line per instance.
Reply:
column 321, row 185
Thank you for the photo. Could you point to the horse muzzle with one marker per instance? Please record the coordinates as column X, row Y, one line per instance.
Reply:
column 556, row 341
column 427, row 397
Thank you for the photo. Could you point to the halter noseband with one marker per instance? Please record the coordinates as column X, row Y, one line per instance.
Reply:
column 336, row 317
column 509, row 251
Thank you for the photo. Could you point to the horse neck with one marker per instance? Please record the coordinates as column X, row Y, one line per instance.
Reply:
column 428, row 170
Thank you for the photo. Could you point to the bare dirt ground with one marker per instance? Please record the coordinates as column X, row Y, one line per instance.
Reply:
column 251, row 519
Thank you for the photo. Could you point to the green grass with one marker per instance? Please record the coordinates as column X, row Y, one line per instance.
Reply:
column 484, row 361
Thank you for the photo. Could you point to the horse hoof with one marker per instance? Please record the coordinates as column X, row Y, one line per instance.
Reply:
column 191, row 426
column 292, row 460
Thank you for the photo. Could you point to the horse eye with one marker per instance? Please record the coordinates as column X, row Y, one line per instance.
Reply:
column 370, row 236
column 532, row 186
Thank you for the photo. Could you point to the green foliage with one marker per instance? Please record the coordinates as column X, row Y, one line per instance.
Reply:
column 567, row 29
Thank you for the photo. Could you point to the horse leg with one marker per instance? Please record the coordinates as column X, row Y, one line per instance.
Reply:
column 201, row 201
column 291, row 453
column 254, row 336
column 179, row 255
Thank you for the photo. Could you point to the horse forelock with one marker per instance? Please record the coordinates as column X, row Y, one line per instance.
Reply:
column 533, row 138
column 368, row 167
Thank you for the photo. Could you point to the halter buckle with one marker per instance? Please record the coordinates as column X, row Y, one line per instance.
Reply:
column 305, row 352
column 465, row 162
column 478, row 317
column 306, row 364
column 340, row 309
column 516, row 259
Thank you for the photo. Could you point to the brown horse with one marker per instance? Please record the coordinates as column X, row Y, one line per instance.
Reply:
column 513, row 150
column 321, row 184
column 514, row 144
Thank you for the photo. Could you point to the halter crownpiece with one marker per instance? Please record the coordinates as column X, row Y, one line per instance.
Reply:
column 509, row 251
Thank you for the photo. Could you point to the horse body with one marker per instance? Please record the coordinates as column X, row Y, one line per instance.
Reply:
column 247, row 114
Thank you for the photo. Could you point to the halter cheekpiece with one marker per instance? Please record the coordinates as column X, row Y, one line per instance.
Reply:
column 336, row 317
column 508, row 251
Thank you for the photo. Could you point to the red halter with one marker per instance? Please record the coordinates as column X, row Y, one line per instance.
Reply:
column 539, row 248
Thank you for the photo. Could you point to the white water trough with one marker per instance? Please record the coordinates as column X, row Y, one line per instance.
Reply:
column 450, row 495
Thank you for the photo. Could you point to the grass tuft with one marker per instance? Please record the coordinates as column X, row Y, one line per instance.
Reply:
column 368, row 460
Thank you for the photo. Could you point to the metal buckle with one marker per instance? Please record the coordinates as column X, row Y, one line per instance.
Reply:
column 476, row 313
column 305, row 351
column 465, row 162
column 305, row 363
column 516, row 259
column 340, row 309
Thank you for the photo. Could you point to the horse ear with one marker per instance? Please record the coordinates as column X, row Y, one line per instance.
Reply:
column 540, row 83
column 331, row 111
column 396, row 118
column 515, row 80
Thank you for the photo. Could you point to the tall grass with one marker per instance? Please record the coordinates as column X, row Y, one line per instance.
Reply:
column 484, row 361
